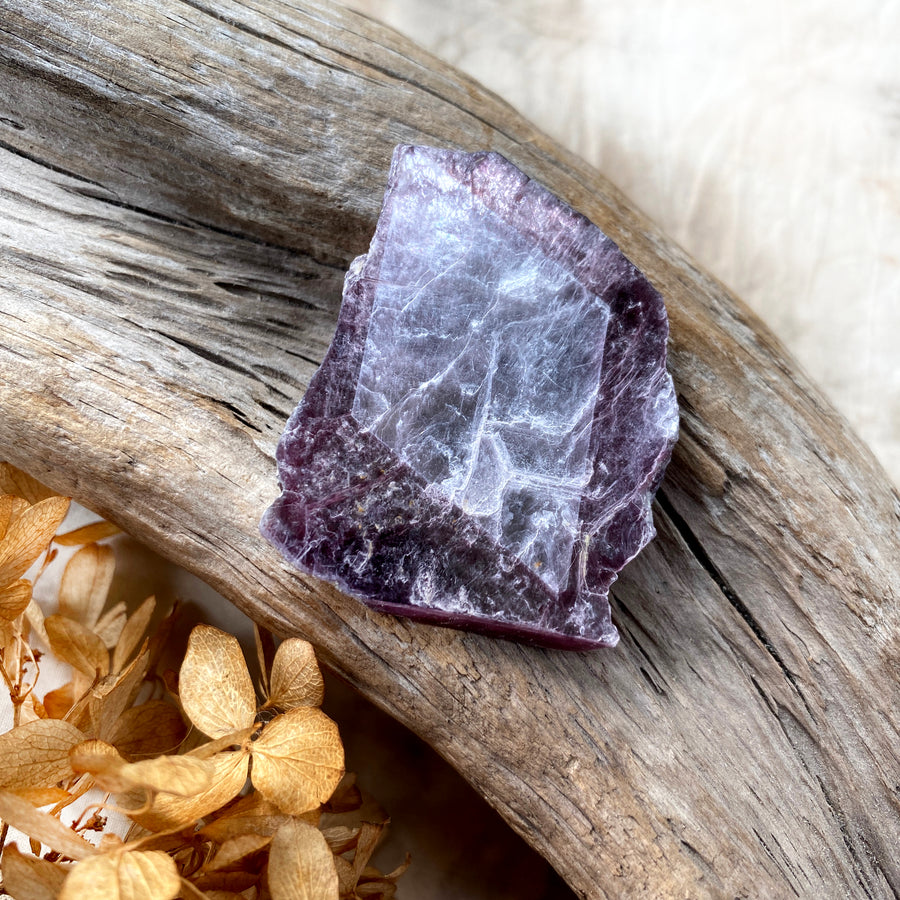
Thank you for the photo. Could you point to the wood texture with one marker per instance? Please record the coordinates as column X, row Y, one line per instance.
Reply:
column 181, row 186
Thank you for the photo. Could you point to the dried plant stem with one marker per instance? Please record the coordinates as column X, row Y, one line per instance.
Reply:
column 9, row 684
column 80, row 788
column 16, row 696
column 23, row 655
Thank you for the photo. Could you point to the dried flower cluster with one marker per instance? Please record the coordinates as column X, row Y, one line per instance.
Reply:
column 229, row 797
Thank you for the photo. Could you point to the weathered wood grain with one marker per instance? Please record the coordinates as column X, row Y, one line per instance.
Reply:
column 181, row 185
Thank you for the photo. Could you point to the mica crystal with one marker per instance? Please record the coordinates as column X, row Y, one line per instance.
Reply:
column 482, row 443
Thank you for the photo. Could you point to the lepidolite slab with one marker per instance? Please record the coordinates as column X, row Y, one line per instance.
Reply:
column 482, row 443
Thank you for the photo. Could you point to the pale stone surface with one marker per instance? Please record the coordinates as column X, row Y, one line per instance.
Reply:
column 481, row 369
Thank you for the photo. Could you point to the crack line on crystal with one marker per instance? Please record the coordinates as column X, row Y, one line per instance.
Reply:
column 482, row 410
column 419, row 288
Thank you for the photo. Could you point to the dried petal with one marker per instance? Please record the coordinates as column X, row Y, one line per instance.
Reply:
column 237, row 740
column 37, row 706
column 296, row 679
column 21, row 484
column 369, row 836
column 168, row 811
column 59, row 701
column 96, row 758
column 87, row 534
column 214, row 686
column 235, row 852
column 115, row 694
column 396, row 873
column 30, row 878
column 301, row 867
column 85, row 584
column 37, row 754
column 43, row 796
column 133, row 633
column 298, row 760
column 109, row 842
column 184, row 776
column 14, row 598
column 28, row 713
column 162, row 637
column 35, row 617
column 194, row 893
column 28, row 537
column 77, row 645
column 224, row 895
column 341, row 838
column 133, row 875
column 109, row 626
column 346, row 876
column 8, row 637
column 252, row 814
column 151, row 729
column 230, row 882
column 189, row 891
column 346, row 797
column 42, row 826
column 378, row 889
column 80, row 714
column 265, row 654
column 10, row 508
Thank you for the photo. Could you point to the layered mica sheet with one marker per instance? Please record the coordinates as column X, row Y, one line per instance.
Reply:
column 483, row 440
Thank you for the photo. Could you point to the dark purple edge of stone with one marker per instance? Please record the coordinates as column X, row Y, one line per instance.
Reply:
column 632, row 522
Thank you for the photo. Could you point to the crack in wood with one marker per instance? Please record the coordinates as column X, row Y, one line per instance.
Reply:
column 789, row 876
column 239, row 415
column 16, row 151
column 317, row 60
column 268, row 38
column 700, row 554
column 866, row 865
column 246, row 290
column 841, row 820
column 280, row 414
column 212, row 356
column 191, row 224
column 309, row 359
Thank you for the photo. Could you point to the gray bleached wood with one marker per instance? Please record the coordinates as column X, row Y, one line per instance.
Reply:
column 183, row 186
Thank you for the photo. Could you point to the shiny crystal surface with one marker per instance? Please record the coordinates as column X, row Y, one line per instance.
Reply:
column 483, row 440
column 490, row 397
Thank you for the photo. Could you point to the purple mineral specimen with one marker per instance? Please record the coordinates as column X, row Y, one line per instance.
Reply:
column 482, row 443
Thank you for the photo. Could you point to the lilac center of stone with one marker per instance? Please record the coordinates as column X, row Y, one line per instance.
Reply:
column 476, row 375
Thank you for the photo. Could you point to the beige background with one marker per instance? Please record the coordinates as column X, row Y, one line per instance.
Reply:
column 764, row 137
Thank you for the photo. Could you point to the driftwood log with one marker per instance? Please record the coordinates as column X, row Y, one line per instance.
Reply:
column 182, row 184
